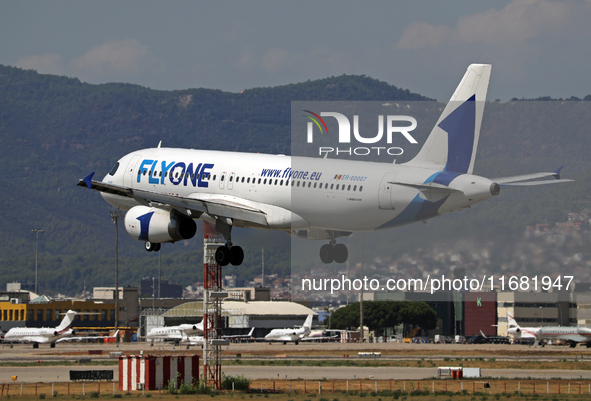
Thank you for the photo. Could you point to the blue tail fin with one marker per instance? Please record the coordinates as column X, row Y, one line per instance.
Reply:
column 452, row 144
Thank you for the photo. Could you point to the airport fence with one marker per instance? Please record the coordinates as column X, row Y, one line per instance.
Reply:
column 367, row 386
column 385, row 387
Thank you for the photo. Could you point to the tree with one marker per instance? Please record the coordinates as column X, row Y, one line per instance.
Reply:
column 380, row 315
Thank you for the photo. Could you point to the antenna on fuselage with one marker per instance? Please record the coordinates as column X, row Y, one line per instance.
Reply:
column 159, row 144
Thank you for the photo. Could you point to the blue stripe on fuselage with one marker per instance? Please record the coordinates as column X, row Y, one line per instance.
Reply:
column 420, row 209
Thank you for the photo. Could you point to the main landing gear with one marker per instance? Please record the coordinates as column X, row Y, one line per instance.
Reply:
column 227, row 254
column 152, row 246
column 334, row 252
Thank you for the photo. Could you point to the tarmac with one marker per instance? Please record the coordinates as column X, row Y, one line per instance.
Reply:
column 277, row 351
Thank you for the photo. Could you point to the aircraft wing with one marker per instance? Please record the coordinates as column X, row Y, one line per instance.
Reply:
column 518, row 181
column 185, row 205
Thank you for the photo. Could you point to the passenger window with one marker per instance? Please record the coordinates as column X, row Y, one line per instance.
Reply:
column 214, row 177
column 259, row 181
column 331, row 186
column 354, row 188
column 248, row 180
column 309, row 184
column 264, row 182
column 242, row 179
column 349, row 188
column 222, row 179
column 361, row 188
column 275, row 182
column 337, row 186
column 281, row 182
column 314, row 185
column 298, row 184
column 231, row 178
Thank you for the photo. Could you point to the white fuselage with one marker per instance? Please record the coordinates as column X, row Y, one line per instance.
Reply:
column 174, row 332
column 571, row 334
column 304, row 196
column 34, row 335
column 286, row 334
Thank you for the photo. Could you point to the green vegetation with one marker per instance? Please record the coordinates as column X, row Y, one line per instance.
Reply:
column 379, row 315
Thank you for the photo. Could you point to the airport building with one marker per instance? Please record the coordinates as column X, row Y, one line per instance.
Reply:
column 237, row 316
column 535, row 309
column 25, row 309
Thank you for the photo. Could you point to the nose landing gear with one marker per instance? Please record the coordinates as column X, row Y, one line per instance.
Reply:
column 152, row 246
column 334, row 253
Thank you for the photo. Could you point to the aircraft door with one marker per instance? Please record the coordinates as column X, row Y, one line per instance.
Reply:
column 231, row 180
column 385, row 191
column 128, row 176
column 222, row 179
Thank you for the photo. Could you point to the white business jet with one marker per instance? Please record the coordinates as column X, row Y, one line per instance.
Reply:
column 164, row 189
column 42, row 335
column 291, row 335
column 175, row 333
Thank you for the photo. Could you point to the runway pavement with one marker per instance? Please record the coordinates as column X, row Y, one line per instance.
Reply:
column 72, row 352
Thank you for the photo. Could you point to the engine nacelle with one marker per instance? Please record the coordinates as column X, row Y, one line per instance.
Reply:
column 157, row 226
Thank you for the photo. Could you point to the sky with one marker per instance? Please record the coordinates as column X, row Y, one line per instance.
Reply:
column 536, row 47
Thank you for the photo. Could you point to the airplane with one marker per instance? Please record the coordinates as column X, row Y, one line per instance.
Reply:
column 294, row 335
column 42, row 335
column 571, row 335
column 174, row 332
column 198, row 340
column 516, row 331
column 191, row 340
column 520, row 332
column 164, row 189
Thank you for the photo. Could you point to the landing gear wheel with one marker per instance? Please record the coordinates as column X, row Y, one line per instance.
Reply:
column 327, row 253
column 35, row 345
column 52, row 345
column 341, row 253
column 150, row 246
column 236, row 256
column 223, row 255
column 156, row 247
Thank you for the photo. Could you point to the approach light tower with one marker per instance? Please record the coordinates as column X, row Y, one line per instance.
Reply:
column 212, row 309
column 116, row 215
column 37, row 232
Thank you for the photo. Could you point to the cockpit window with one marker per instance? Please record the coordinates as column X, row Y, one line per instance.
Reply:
column 114, row 169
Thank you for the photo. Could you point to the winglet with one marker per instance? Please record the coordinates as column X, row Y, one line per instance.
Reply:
column 88, row 180
column 557, row 172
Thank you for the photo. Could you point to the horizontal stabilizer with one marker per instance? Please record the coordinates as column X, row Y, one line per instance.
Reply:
column 518, row 181
column 527, row 177
column 533, row 183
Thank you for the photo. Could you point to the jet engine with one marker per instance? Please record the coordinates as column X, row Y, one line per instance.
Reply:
column 157, row 225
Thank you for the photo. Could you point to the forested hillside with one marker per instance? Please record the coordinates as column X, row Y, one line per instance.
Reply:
column 55, row 130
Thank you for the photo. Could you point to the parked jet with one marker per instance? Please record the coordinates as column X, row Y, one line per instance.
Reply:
column 174, row 333
column 571, row 335
column 164, row 189
column 291, row 335
column 516, row 331
column 198, row 340
column 42, row 335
